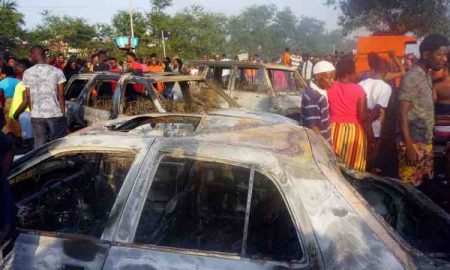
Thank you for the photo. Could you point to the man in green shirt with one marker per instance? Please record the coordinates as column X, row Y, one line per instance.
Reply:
column 416, row 110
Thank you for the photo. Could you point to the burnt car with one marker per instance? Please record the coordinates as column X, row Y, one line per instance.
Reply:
column 219, row 192
column 256, row 86
column 102, row 96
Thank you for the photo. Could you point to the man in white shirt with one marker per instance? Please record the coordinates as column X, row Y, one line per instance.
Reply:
column 296, row 59
column 378, row 93
column 45, row 92
column 307, row 67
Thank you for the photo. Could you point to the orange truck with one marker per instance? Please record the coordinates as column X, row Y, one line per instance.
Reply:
column 381, row 45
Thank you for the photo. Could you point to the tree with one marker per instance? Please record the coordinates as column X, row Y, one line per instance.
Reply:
column 252, row 31
column 122, row 25
column 8, row 4
column 158, row 6
column 11, row 24
column 60, row 30
column 394, row 17
column 194, row 32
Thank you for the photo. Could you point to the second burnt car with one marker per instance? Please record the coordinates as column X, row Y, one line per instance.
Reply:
column 256, row 86
column 102, row 96
column 222, row 192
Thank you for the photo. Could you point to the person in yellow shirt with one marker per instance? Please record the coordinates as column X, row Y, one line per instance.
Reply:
column 23, row 117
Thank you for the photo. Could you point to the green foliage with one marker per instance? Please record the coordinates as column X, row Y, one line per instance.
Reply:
column 122, row 25
column 11, row 23
column 64, row 29
column 158, row 6
column 191, row 33
column 194, row 32
column 8, row 4
column 397, row 17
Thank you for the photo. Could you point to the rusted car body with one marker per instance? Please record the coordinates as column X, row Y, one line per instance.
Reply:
column 256, row 86
column 217, row 192
column 102, row 96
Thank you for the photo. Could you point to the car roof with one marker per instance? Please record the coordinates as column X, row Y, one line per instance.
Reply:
column 238, row 63
column 228, row 127
column 212, row 121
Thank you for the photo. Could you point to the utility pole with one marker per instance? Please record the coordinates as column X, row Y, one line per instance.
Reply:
column 131, row 20
column 163, row 42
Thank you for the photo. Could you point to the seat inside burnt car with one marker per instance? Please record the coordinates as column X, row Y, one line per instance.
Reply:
column 71, row 193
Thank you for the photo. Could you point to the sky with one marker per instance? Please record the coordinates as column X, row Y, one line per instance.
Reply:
column 101, row 11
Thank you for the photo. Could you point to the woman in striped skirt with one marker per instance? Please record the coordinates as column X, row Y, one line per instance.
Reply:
column 350, row 127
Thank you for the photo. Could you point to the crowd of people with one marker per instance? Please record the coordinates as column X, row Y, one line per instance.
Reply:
column 350, row 110
column 21, row 80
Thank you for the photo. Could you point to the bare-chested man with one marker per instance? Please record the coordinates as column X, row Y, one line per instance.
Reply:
column 441, row 96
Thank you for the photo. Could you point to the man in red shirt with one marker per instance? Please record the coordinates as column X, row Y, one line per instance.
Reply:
column 60, row 62
column 114, row 66
column 132, row 62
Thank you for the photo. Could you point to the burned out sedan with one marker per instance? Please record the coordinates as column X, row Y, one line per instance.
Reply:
column 223, row 192
column 102, row 96
column 256, row 86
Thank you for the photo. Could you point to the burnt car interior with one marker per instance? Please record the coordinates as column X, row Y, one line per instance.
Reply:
column 71, row 193
column 422, row 227
column 75, row 89
column 163, row 126
column 136, row 101
column 193, row 97
column 202, row 205
column 101, row 95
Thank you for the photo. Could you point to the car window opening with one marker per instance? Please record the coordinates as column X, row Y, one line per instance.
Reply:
column 219, row 75
column 421, row 228
column 202, row 205
column 164, row 126
column 101, row 95
column 136, row 100
column 75, row 89
column 192, row 97
column 250, row 79
column 71, row 193
column 283, row 80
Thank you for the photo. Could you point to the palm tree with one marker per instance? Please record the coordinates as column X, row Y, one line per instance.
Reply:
column 8, row 4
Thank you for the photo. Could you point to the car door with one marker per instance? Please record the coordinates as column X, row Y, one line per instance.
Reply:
column 96, row 103
column 67, row 204
column 73, row 94
column 191, row 213
column 250, row 88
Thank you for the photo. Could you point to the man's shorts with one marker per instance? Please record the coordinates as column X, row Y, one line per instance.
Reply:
column 415, row 175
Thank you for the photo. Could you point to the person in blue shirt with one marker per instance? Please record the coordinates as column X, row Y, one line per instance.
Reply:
column 9, row 82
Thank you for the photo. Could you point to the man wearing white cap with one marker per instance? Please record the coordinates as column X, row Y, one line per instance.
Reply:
column 315, row 101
